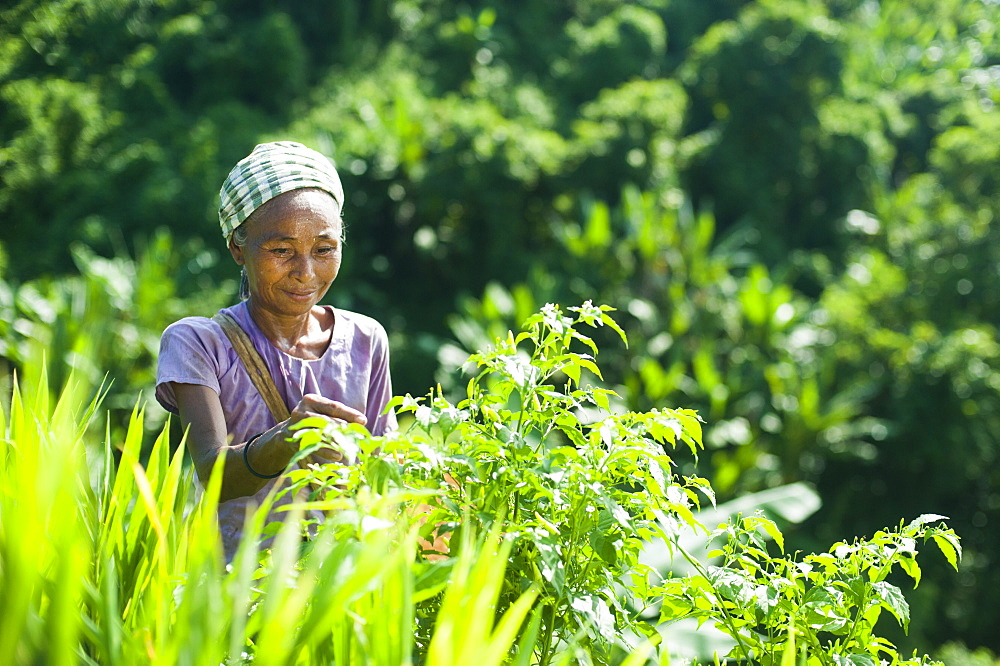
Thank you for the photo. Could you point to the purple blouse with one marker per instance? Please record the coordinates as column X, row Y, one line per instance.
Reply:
column 354, row 370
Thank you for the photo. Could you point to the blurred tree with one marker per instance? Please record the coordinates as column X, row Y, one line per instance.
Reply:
column 759, row 85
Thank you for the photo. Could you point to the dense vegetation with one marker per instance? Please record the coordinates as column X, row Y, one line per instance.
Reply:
column 505, row 529
column 793, row 203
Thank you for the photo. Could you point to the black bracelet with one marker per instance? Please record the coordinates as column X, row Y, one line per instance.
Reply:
column 246, row 460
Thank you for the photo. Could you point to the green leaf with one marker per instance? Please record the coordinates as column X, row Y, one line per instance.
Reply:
column 620, row 515
column 857, row 585
column 597, row 614
column 732, row 585
column 691, row 423
column 573, row 434
column 949, row 545
column 589, row 365
column 614, row 326
column 572, row 370
column 766, row 598
column 430, row 578
column 577, row 335
column 754, row 522
column 528, row 638
column 665, row 430
column 910, row 566
column 924, row 519
column 603, row 540
column 674, row 605
column 551, row 566
column 892, row 598
column 823, row 609
column 855, row 659
column 704, row 486
column 600, row 398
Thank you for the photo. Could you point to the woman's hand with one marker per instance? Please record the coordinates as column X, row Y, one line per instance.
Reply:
column 201, row 412
column 313, row 405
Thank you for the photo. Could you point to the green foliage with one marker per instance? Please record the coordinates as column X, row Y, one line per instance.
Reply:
column 820, row 609
column 119, row 564
column 536, row 454
column 579, row 489
column 912, row 318
column 463, row 632
column 828, row 300
column 842, row 391
column 788, row 58
column 955, row 654
column 104, row 325
column 710, row 328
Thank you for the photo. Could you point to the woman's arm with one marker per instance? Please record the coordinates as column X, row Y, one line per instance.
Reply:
column 201, row 413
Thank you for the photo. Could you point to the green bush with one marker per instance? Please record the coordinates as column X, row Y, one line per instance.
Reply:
column 580, row 489
column 547, row 495
column 103, row 324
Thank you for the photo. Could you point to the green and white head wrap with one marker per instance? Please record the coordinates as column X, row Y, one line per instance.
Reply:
column 273, row 169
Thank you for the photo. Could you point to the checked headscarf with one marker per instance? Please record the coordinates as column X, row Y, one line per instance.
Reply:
column 273, row 169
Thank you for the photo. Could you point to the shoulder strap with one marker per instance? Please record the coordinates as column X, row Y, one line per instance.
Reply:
column 254, row 365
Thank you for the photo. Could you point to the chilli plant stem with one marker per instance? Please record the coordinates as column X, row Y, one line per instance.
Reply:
column 864, row 602
column 728, row 619
column 546, row 644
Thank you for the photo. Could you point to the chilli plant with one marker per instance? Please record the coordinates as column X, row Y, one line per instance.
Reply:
column 579, row 488
column 820, row 609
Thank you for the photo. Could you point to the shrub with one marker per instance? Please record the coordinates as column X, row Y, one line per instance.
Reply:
column 579, row 489
column 543, row 492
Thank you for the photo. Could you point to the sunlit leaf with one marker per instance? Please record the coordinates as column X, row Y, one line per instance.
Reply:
column 854, row 659
column 892, row 599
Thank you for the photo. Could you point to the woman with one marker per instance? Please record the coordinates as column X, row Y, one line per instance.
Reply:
column 280, row 213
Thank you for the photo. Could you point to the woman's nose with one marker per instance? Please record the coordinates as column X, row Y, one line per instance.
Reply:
column 304, row 268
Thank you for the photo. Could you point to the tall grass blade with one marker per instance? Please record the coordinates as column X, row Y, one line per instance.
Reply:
column 465, row 632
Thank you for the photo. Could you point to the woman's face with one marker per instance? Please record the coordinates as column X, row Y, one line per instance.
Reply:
column 293, row 251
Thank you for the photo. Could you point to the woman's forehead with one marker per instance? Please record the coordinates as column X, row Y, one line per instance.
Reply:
column 309, row 210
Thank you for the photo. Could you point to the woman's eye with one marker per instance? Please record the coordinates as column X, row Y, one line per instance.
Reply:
column 326, row 251
column 280, row 251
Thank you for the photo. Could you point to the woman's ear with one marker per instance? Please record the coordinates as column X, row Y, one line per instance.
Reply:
column 237, row 252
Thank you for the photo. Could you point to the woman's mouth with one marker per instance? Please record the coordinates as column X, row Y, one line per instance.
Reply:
column 300, row 295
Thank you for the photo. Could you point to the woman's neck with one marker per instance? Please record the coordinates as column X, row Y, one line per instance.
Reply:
column 306, row 336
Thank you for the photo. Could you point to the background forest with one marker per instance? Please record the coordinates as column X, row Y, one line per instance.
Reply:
column 792, row 203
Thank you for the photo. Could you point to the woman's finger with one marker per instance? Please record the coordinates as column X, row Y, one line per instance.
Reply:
column 331, row 409
column 328, row 455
